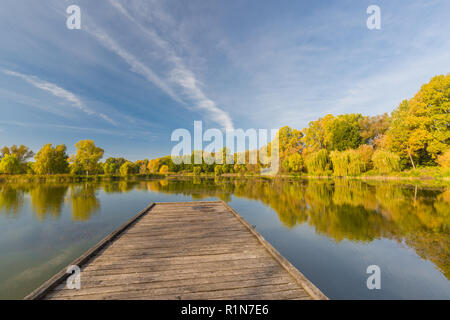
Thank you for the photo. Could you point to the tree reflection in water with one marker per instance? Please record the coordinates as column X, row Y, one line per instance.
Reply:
column 339, row 209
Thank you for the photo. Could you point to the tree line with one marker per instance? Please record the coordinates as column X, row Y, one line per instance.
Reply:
column 55, row 160
column 416, row 133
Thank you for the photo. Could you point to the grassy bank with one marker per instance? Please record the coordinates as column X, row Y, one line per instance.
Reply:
column 426, row 174
column 76, row 178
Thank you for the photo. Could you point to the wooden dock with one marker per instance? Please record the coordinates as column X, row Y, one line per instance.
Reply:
column 191, row 250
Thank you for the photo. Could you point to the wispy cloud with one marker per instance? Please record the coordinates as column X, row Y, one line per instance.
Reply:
column 52, row 88
column 179, row 74
column 136, row 65
column 64, row 127
column 59, row 92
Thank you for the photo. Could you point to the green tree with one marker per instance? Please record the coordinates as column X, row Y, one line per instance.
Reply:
column 344, row 132
column 51, row 160
column 86, row 158
column 112, row 165
column 9, row 164
column 110, row 168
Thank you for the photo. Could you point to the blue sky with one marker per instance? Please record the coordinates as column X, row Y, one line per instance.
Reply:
column 139, row 69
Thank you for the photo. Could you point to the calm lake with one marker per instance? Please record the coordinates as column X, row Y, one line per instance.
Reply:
column 330, row 230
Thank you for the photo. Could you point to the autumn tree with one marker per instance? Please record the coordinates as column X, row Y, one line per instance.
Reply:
column 218, row 170
column 372, row 128
column 366, row 151
column 153, row 166
column 290, row 141
column 293, row 163
column 141, row 166
column 385, row 161
column 420, row 129
column 9, row 164
column 109, row 168
column 315, row 136
column 444, row 159
column 22, row 153
column 197, row 170
column 164, row 169
column 127, row 168
column 347, row 163
column 318, row 162
column 87, row 157
column 51, row 160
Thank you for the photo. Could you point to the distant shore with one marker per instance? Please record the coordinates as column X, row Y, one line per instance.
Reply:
column 77, row 178
column 406, row 176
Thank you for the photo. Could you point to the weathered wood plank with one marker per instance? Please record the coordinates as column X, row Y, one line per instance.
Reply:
column 167, row 275
column 184, row 267
column 195, row 250
column 136, row 290
column 147, row 283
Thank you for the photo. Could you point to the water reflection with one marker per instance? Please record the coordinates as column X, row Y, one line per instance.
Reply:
column 341, row 209
column 84, row 201
column 47, row 200
column 11, row 199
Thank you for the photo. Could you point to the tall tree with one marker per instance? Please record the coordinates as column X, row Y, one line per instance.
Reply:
column 86, row 158
column 112, row 165
column 344, row 132
column 51, row 160
column 290, row 141
column 420, row 129
column 9, row 164
column 315, row 136
column 22, row 153
column 372, row 128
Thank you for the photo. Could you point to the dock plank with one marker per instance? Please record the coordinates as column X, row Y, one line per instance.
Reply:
column 185, row 250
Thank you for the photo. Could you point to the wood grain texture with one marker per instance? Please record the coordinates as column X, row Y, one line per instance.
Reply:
column 184, row 250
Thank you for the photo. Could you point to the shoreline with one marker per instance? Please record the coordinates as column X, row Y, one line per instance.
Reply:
column 151, row 176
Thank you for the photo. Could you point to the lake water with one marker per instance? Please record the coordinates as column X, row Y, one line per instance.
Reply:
column 330, row 230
